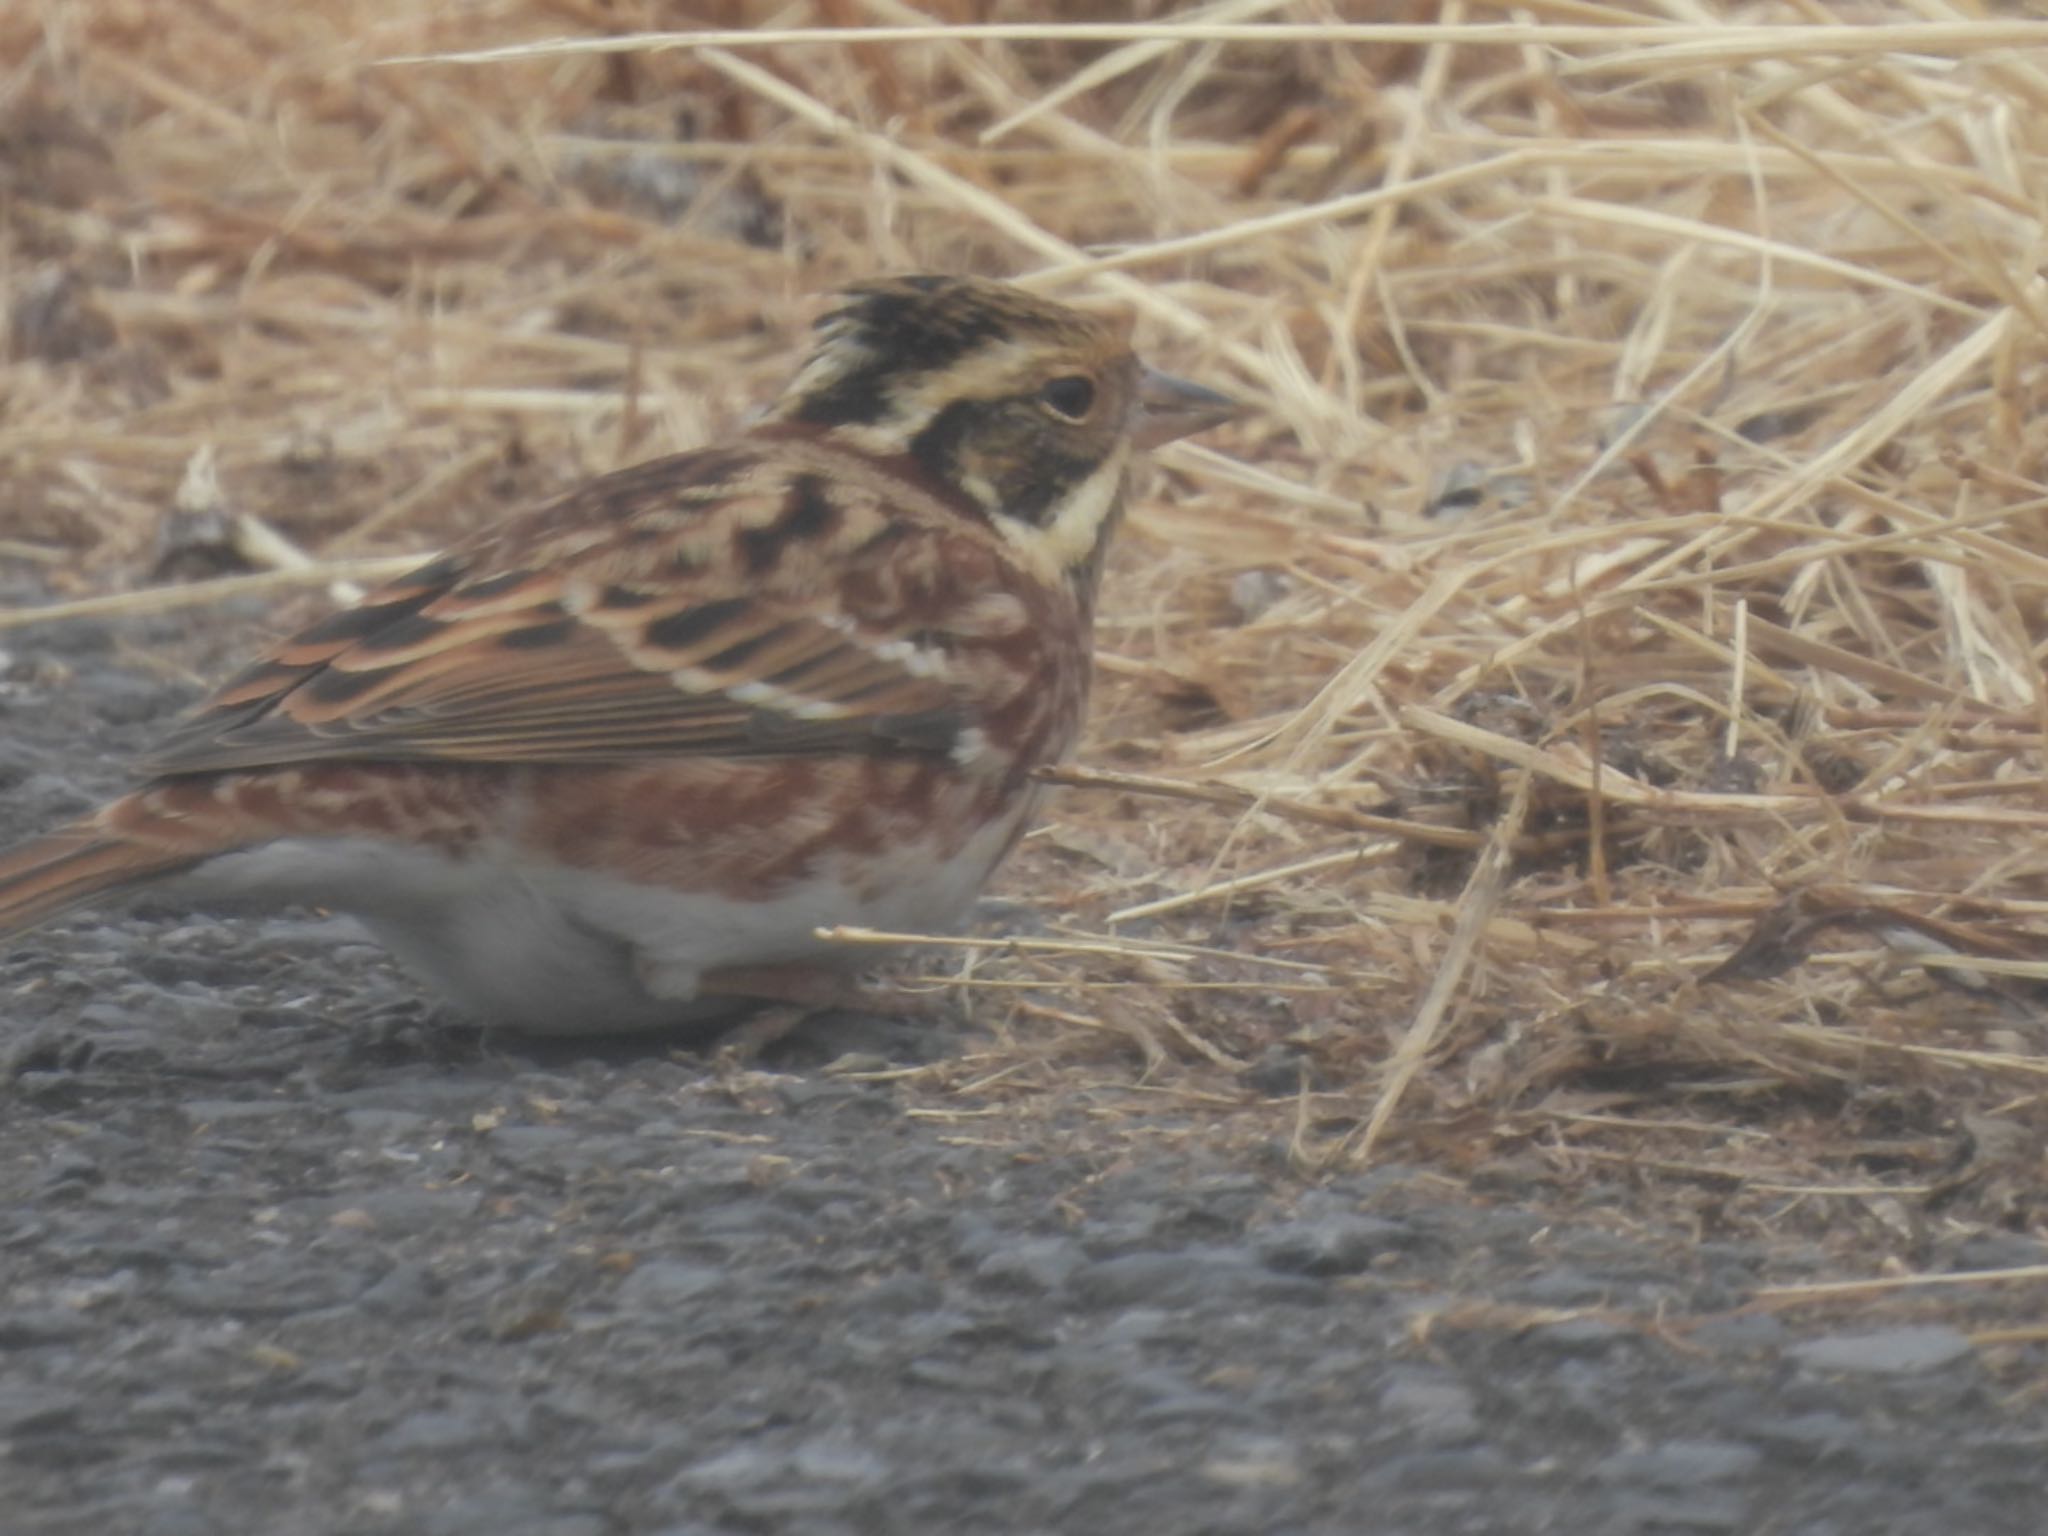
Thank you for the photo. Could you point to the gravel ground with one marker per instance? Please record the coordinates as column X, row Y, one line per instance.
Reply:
column 276, row 1255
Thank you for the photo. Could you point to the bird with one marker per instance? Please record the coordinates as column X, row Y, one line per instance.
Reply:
column 612, row 762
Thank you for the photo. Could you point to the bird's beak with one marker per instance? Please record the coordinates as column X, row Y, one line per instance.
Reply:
column 1170, row 408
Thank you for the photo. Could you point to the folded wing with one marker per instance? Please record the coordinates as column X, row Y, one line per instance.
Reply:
column 733, row 615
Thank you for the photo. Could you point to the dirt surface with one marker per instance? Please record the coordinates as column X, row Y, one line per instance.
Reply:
column 279, row 1254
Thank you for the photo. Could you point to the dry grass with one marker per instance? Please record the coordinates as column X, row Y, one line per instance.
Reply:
column 1562, row 732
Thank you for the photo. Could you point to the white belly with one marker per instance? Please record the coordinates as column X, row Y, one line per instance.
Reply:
column 547, row 949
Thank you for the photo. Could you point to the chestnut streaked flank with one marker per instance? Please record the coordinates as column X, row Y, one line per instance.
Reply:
column 597, row 766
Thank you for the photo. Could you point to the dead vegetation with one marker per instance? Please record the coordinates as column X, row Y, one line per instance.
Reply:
column 1589, row 717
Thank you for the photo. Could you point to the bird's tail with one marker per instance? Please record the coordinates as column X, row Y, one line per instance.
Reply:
column 75, row 867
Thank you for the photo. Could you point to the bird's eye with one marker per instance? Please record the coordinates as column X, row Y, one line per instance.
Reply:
column 1070, row 395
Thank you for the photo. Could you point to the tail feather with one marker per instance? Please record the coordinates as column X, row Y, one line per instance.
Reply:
column 73, row 868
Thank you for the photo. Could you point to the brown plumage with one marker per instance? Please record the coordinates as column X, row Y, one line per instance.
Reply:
column 678, row 718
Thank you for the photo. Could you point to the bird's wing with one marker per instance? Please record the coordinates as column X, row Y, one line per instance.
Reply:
column 728, row 601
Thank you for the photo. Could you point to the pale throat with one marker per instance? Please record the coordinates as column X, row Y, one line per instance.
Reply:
column 1070, row 538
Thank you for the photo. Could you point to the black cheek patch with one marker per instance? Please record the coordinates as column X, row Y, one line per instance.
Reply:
column 1032, row 493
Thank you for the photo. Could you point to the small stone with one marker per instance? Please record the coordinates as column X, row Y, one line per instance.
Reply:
column 212, row 1112
column 271, row 1285
column 1583, row 1336
column 1279, row 1071
column 742, row 1467
column 1040, row 1264
column 1179, row 1279
column 1676, row 1513
column 1440, row 1411
column 1564, row 1288
column 1740, row 1332
column 899, row 1295
column 399, row 1212
column 1252, row 1461
column 1819, row 1433
column 37, row 1410
column 31, row 1328
column 438, row 1432
column 1447, row 1471
column 1331, row 1245
column 406, row 1290
column 665, row 1282
column 531, row 1143
column 1680, row 1464
column 2000, row 1250
column 383, row 1124
column 1905, row 1351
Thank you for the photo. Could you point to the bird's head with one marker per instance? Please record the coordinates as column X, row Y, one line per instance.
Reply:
column 1029, row 409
